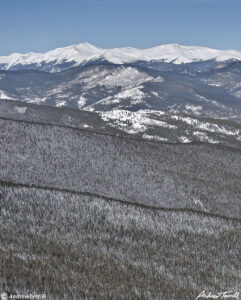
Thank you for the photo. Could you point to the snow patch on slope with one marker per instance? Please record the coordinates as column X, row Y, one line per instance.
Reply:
column 135, row 94
column 82, row 101
column 207, row 126
column 60, row 103
column 3, row 95
column 193, row 109
column 35, row 100
column 154, row 137
column 125, row 78
column 203, row 137
column 184, row 139
column 20, row 110
column 133, row 122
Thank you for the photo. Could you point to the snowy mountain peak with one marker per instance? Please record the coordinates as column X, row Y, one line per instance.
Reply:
column 80, row 53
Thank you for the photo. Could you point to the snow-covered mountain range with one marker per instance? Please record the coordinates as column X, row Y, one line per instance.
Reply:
column 168, row 93
column 62, row 58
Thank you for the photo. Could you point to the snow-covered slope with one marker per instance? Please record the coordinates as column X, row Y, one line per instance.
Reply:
column 78, row 53
column 84, row 52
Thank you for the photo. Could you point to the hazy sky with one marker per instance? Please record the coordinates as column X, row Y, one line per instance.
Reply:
column 41, row 25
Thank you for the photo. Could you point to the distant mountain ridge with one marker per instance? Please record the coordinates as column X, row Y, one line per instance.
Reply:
column 215, row 93
column 75, row 55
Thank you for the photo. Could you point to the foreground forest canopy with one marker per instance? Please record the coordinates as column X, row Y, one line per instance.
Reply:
column 91, row 214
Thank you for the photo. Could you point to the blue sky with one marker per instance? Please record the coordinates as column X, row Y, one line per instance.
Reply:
column 41, row 25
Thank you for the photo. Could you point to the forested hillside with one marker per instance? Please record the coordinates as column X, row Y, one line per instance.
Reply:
column 89, row 215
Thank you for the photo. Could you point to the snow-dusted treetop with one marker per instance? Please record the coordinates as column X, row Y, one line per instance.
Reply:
column 83, row 52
